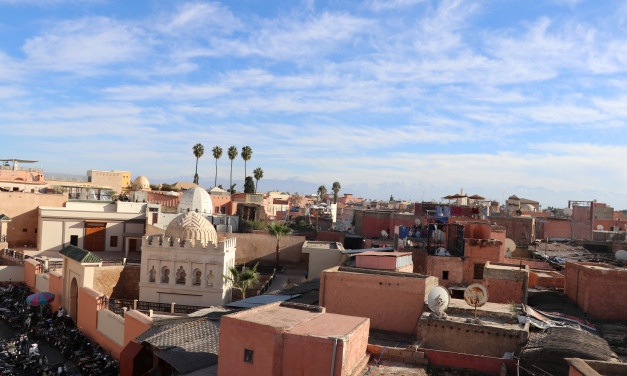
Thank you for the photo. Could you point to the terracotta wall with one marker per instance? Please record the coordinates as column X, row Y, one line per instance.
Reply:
column 252, row 248
column 55, row 285
column 370, row 223
column 467, row 361
column 330, row 236
column 89, row 302
column 135, row 323
column 547, row 279
column 22, row 208
column 31, row 269
column 594, row 288
column 506, row 291
column 530, row 263
column 118, row 282
column 520, row 229
column 392, row 303
column 436, row 265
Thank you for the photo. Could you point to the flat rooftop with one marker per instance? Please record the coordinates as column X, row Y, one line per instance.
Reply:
column 384, row 254
column 276, row 316
column 320, row 245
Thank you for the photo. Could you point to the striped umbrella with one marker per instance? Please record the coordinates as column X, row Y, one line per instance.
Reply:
column 40, row 298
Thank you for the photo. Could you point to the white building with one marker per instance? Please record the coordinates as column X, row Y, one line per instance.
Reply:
column 186, row 266
column 94, row 226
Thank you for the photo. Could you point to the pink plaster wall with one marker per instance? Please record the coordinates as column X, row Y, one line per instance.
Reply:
column 55, row 285
column 89, row 302
column 436, row 265
column 505, row 291
column 392, row 303
column 135, row 323
column 594, row 289
column 31, row 269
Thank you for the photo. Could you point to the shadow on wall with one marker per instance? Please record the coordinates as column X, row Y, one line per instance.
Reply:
column 252, row 248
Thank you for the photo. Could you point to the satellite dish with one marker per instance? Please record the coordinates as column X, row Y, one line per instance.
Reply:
column 510, row 247
column 600, row 227
column 621, row 255
column 476, row 295
column 438, row 300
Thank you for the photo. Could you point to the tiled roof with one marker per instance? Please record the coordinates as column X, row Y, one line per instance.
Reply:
column 4, row 217
column 186, row 344
column 79, row 254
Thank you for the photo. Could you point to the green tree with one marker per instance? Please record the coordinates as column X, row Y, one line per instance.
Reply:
column 336, row 189
column 258, row 174
column 247, row 153
column 278, row 231
column 244, row 280
column 199, row 150
column 249, row 186
column 322, row 190
column 217, row 154
column 232, row 153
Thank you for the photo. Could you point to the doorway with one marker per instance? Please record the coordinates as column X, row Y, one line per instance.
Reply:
column 95, row 236
column 73, row 300
column 132, row 245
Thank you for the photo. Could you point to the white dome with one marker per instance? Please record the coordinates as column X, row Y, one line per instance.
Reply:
column 141, row 183
column 192, row 226
column 195, row 200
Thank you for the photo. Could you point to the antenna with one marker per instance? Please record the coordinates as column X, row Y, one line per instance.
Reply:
column 438, row 300
column 510, row 247
column 476, row 295
column 621, row 255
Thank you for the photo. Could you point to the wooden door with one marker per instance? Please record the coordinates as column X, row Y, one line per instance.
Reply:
column 132, row 245
column 95, row 237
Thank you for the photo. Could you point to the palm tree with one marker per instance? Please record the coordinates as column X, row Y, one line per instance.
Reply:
column 199, row 150
column 232, row 152
column 322, row 190
column 247, row 152
column 217, row 154
column 244, row 280
column 258, row 174
column 336, row 188
column 278, row 231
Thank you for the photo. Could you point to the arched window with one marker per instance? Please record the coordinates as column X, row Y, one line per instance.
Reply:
column 210, row 278
column 197, row 275
column 152, row 274
column 165, row 275
column 180, row 276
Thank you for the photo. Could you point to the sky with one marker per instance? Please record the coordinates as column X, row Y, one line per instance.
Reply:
column 412, row 98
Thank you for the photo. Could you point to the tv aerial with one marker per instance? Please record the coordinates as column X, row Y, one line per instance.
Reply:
column 438, row 300
column 476, row 295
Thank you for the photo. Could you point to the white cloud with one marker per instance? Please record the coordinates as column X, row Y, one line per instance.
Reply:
column 198, row 16
column 87, row 44
column 379, row 5
column 164, row 91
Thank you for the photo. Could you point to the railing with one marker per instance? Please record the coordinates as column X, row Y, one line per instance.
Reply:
column 119, row 306
column 266, row 285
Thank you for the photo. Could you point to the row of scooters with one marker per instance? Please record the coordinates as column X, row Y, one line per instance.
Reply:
column 20, row 355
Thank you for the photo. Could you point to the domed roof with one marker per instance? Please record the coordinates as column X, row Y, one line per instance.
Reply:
column 192, row 226
column 195, row 200
column 141, row 183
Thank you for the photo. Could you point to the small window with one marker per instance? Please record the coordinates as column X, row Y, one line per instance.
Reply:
column 35, row 230
column 180, row 276
column 113, row 241
column 478, row 272
column 445, row 275
column 217, row 209
column 165, row 275
column 223, row 210
column 248, row 356
column 24, row 229
column 152, row 274
column 74, row 240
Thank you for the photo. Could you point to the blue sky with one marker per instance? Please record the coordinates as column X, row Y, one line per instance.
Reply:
column 413, row 98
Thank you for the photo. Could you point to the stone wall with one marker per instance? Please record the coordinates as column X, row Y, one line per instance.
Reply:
column 253, row 248
column 118, row 282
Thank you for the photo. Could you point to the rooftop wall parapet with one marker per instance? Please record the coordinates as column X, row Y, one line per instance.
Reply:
column 161, row 241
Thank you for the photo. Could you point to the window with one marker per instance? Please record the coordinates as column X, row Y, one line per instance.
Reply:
column 74, row 240
column 165, row 275
column 217, row 209
column 445, row 275
column 180, row 276
column 113, row 241
column 210, row 278
column 248, row 356
column 197, row 275
column 478, row 272
column 152, row 274
column 223, row 210
column 24, row 229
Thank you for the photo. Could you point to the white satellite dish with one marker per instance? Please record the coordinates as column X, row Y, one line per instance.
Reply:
column 621, row 255
column 438, row 300
column 600, row 227
column 510, row 247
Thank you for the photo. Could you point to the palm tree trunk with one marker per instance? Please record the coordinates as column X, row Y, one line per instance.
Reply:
column 215, row 184
column 256, row 185
column 244, row 171
column 276, row 260
column 231, row 180
column 196, row 174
